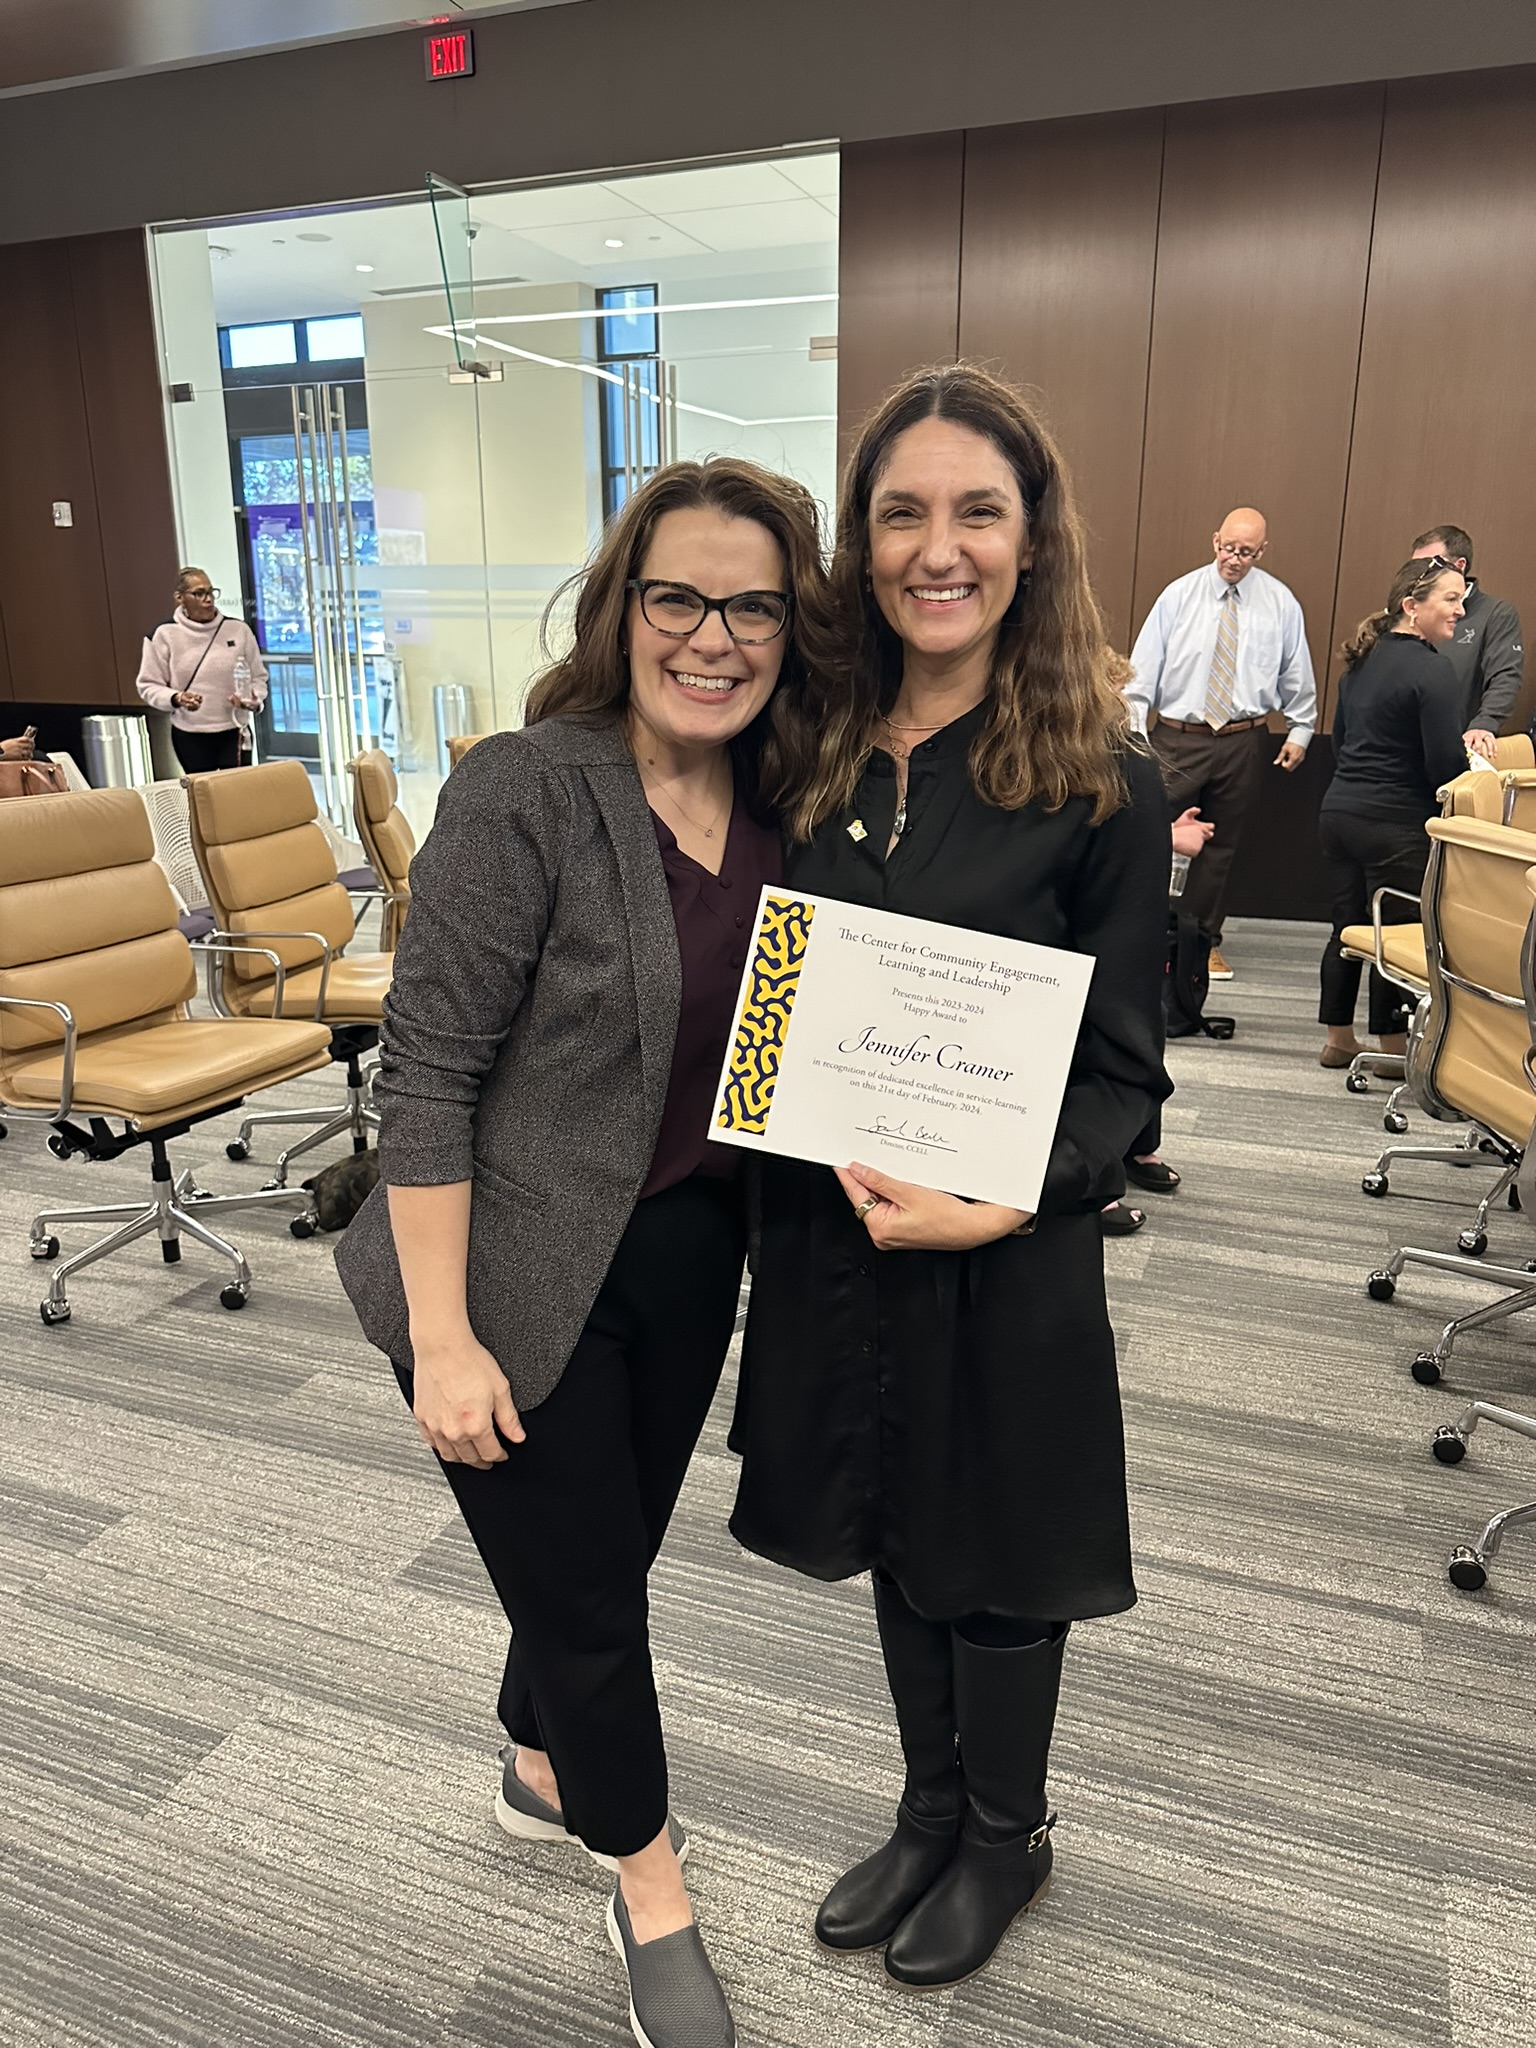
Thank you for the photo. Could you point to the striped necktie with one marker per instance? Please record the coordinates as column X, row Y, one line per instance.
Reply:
column 1221, row 685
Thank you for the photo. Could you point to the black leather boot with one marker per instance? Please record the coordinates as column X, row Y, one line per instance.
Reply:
column 865, row 1906
column 1005, row 1703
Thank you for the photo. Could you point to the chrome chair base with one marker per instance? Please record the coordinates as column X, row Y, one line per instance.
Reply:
column 356, row 1116
column 177, row 1211
column 1469, row 1562
column 1429, row 1366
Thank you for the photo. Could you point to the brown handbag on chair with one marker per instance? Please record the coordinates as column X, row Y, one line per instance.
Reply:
column 31, row 778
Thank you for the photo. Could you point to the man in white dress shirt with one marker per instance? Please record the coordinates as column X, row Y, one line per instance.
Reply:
column 1222, row 648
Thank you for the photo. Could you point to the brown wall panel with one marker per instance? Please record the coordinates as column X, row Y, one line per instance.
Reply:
column 1060, row 243
column 120, row 374
column 1445, row 426
column 84, row 423
column 1262, row 255
column 899, row 266
column 52, row 581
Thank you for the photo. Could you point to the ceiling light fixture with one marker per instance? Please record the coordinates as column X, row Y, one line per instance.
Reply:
column 314, row 238
column 612, row 242
column 365, row 268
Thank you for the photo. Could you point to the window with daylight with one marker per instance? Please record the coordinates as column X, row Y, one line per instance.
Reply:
column 334, row 340
column 254, row 347
column 628, row 343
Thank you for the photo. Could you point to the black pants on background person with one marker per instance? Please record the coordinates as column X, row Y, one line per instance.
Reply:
column 1364, row 855
column 1223, row 773
column 200, row 753
column 569, row 1525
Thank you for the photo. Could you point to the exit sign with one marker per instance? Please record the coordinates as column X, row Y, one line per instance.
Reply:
column 451, row 56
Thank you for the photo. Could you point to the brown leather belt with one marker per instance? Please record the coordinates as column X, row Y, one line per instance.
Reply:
column 1217, row 731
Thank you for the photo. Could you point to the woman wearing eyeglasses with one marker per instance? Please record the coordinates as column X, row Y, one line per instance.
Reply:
column 554, row 1260
column 1397, row 737
column 928, row 1384
column 206, row 670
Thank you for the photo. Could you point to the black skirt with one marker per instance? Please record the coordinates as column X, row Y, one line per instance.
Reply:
column 951, row 1417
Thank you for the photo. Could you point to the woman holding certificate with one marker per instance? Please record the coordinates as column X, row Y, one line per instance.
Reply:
column 554, row 1259
column 929, row 1388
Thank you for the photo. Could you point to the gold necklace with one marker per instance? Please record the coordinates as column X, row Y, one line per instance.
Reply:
column 687, row 816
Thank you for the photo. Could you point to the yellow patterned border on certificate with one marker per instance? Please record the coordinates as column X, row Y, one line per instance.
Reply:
column 761, row 1028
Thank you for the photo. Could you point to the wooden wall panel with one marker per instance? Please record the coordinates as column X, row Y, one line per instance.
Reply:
column 1445, row 427
column 1060, row 244
column 52, row 582
column 125, row 418
column 1261, row 267
column 84, row 423
column 899, row 266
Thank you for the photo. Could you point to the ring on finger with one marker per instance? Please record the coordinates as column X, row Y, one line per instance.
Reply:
column 864, row 1207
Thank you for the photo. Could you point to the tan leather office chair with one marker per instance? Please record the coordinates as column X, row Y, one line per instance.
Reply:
column 1469, row 1561
column 1470, row 1061
column 1517, row 751
column 387, row 838
column 271, row 880
column 460, row 745
column 95, row 1035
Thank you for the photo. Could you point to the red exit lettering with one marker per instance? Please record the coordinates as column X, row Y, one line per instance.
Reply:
column 451, row 56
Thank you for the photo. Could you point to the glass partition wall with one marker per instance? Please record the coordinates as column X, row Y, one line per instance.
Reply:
column 393, row 479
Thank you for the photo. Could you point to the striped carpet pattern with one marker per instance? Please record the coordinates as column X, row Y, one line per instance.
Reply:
column 248, row 1662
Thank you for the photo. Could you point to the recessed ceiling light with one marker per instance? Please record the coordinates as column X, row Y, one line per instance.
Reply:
column 612, row 242
column 278, row 242
column 218, row 251
column 314, row 238
column 653, row 238
column 366, row 269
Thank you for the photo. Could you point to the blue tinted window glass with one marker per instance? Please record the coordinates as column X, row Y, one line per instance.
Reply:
column 252, row 348
column 330, row 340
column 630, row 334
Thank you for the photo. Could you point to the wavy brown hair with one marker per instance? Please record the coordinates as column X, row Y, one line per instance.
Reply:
column 1415, row 579
column 1057, row 722
column 590, row 680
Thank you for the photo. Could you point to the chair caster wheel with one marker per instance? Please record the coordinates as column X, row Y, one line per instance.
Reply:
column 237, row 1148
column 1381, row 1286
column 53, row 1312
column 274, row 1186
column 1426, row 1369
column 1358, row 1084
column 1487, row 1145
column 1467, row 1569
column 59, row 1145
column 1473, row 1242
column 1374, row 1184
column 1394, row 1122
column 233, row 1297
column 302, row 1226
column 1448, row 1444
column 44, row 1248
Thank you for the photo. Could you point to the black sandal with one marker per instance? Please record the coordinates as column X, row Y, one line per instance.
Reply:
column 1153, row 1175
column 1119, row 1221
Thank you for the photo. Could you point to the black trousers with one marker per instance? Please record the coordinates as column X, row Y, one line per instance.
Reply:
column 1364, row 855
column 569, row 1526
column 201, row 752
column 1222, row 773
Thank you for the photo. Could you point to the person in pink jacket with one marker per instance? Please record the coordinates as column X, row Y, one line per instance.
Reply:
column 206, row 670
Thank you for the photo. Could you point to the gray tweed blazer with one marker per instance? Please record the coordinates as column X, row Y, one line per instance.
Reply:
column 527, row 1040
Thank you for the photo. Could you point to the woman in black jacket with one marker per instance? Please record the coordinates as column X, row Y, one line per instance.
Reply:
column 929, row 1384
column 1396, row 739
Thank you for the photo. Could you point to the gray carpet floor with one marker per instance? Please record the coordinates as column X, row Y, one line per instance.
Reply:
column 248, row 1662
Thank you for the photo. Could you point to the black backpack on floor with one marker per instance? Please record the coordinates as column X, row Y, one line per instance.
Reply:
column 1188, row 982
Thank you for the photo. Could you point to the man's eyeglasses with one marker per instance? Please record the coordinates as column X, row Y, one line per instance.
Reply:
column 751, row 616
column 1240, row 554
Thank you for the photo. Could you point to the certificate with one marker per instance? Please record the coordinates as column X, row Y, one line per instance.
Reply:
column 937, row 1054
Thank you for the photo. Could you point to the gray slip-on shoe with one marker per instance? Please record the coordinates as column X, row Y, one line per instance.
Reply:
column 523, row 1814
column 675, row 1999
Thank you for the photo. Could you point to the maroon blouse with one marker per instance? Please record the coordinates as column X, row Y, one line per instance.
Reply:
column 713, row 915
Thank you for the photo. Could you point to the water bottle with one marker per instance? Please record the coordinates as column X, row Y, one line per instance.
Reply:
column 240, row 686
column 1179, row 874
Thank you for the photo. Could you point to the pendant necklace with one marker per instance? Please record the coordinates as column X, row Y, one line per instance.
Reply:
column 903, row 752
column 707, row 830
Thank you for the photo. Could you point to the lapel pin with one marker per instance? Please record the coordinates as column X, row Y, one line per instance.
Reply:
column 856, row 831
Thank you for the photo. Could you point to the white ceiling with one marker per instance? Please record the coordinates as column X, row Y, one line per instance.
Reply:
column 673, row 226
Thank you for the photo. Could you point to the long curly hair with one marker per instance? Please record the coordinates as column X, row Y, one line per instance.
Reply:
column 1416, row 579
column 1057, row 723
column 590, row 680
